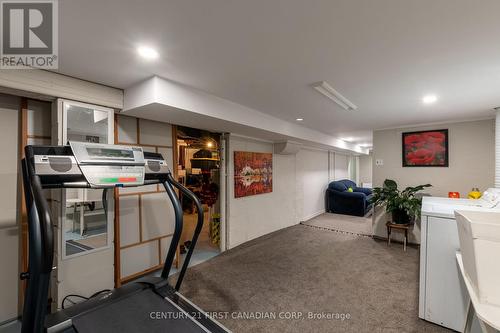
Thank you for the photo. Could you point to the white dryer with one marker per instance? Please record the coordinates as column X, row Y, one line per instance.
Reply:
column 443, row 298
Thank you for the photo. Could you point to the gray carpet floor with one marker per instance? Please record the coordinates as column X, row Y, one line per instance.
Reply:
column 342, row 223
column 361, row 283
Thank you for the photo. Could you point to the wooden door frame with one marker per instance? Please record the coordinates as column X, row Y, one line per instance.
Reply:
column 23, row 217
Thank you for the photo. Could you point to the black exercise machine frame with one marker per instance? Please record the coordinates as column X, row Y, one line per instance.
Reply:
column 41, row 229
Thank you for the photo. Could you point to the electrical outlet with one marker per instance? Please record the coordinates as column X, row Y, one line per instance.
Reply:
column 379, row 162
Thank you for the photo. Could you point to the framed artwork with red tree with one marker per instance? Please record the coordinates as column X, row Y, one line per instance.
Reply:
column 425, row 148
column 253, row 173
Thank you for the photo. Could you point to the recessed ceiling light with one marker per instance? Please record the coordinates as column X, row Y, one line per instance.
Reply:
column 429, row 99
column 147, row 52
column 299, row 119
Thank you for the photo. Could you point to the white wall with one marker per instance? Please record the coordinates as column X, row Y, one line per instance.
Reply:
column 471, row 163
column 9, row 228
column 299, row 184
column 253, row 216
column 312, row 181
column 341, row 166
column 365, row 169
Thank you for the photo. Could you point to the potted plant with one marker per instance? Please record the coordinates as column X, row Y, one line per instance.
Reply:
column 403, row 205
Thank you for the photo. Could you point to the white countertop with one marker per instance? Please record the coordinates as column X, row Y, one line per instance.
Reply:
column 446, row 207
column 489, row 314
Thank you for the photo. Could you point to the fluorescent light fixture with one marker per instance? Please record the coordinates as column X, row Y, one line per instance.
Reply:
column 147, row 52
column 347, row 139
column 429, row 99
column 299, row 119
column 327, row 90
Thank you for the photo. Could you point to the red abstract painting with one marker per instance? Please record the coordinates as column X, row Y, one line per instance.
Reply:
column 253, row 173
column 425, row 149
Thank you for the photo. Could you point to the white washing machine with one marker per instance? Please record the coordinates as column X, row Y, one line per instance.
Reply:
column 443, row 298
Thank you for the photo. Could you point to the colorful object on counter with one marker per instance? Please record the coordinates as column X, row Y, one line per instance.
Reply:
column 454, row 195
column 350, row 189
column 474, row 194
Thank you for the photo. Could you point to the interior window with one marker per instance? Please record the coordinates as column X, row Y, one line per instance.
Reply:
column 86, row 218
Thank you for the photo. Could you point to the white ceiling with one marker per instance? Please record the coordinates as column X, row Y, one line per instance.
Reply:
column 383, row 55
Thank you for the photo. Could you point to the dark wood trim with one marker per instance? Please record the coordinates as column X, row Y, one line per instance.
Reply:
column 137, row 193
column 23, row 141
column 139, row 203
column 116, row 237
column 175, row 170
column 175, row 151
column 44, row 137
column 116, row 221
column 142, row 273
column 115, row 130
column 159, row 251
column 145, row 241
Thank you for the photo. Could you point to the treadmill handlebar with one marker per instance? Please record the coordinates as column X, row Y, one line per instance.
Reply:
column 197, row 230
column 43, row 210
column 178, row 226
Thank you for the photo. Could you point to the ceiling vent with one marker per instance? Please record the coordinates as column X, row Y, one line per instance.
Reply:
column 325, row 89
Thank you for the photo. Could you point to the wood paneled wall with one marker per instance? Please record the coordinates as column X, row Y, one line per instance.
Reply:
column 144, row 216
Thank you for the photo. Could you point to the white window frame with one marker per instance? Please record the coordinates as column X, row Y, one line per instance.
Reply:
column 62, row 106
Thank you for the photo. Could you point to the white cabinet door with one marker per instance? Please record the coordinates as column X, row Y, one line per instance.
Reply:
column 446, row 298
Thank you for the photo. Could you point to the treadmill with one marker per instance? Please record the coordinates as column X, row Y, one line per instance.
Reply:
column 148, row 305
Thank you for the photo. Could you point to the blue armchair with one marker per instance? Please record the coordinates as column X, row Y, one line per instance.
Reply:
column 340, row 201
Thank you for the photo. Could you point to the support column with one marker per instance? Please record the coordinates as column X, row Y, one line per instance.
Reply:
column 497, row 148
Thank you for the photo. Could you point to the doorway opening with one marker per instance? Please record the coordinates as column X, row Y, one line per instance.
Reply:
column 198, row 168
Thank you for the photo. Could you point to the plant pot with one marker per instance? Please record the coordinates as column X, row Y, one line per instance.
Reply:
column 400, row 217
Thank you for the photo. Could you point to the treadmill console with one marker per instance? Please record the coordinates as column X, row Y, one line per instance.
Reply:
column 109, row 165
column 100, row 165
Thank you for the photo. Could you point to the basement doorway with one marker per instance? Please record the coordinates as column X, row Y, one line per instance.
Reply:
column 198, row 162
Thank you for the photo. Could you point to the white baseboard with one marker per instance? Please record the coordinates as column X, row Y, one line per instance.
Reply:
column 311, row 216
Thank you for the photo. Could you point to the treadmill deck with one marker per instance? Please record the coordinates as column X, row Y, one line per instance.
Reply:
column 144, row 311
